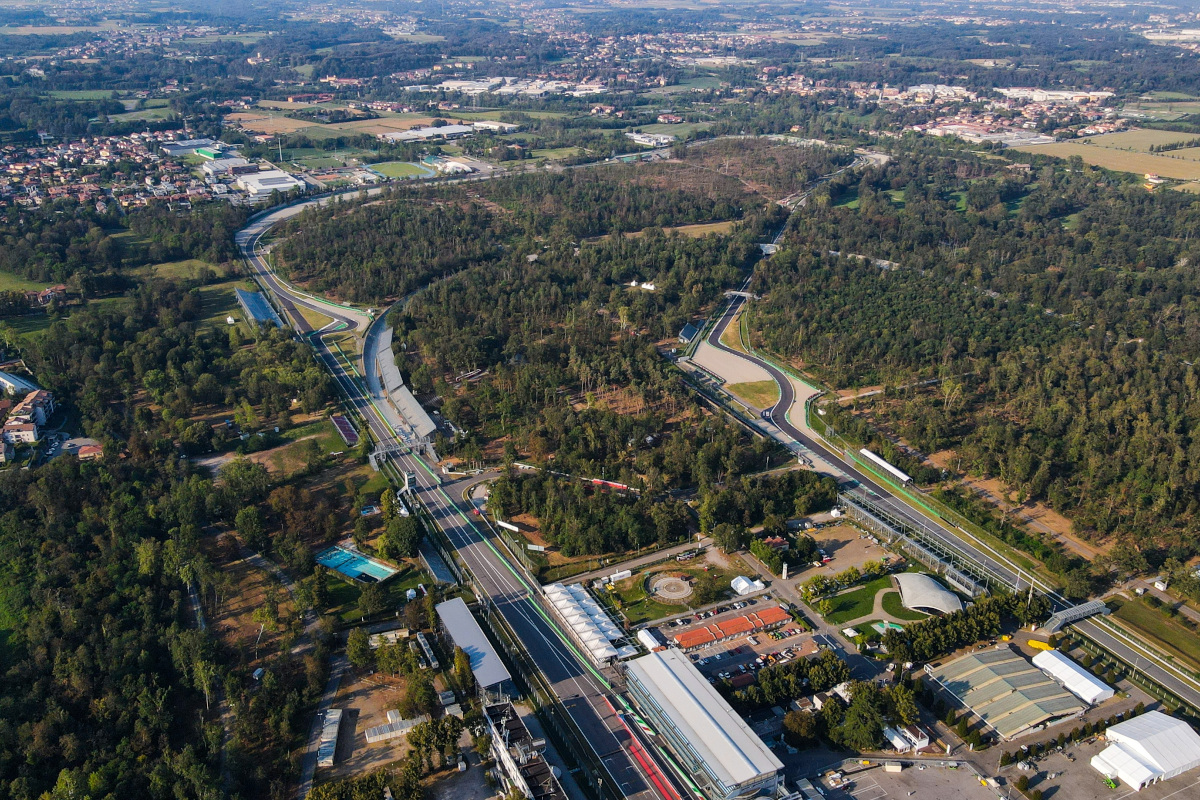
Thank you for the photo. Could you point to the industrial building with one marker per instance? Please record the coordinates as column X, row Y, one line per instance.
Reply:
column 256, row 308
column 491, row 676
column 260, row 185
column 1147, row 749
column 520, row 756
column 1005, row 691
column 713, row 744
column 327, row 746
column 446, row 132
column 587, row 622
column 394, row 728
column 1072, row 677
column 920, row 592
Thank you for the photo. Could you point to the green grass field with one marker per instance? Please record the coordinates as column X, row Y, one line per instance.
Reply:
column 1176, row 639
column 760, row 394
column 680, row 129
column 15, row 283
column 557, row 153
column 893, row 606
column 858, row 602
column 82, row 94
column 401, row 169
column 187, row 269
column 218, row 301
column 639, row 607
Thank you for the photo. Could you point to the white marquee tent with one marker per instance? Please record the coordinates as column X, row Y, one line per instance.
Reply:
column 1150, row 748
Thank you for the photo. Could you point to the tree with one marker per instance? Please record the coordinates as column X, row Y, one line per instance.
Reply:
column 372, row 599
column 1022, row 783
column 462, row 670
column 904, row 704
column 249, row 523
column 862, row 728
column 800, row 727
column 246, row 480
column 358, row 648
column 401, row 538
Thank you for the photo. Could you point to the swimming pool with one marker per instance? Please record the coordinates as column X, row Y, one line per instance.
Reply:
column 354, row 565
column 883, row 627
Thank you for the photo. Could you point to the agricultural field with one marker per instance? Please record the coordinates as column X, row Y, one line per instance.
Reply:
column 272, row 120
column 557, row 153
column 15, row 283
column 1139, row 139
column 1121, row 160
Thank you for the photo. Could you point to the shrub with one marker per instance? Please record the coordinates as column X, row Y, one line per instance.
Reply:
column 1022, row 783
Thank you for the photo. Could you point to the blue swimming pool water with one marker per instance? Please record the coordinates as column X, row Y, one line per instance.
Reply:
column 354, row 565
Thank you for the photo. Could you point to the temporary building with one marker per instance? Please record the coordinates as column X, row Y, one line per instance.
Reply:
column 1147, row 749
column 1074, row 678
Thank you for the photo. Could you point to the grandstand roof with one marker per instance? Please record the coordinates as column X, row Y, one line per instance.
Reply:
column 920, row 591
column 717, row 734
column 594, row 628
column 1006, row 691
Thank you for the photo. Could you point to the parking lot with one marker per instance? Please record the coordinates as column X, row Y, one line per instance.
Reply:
column 845, row 546
column 926, row 782
column 1061, row 778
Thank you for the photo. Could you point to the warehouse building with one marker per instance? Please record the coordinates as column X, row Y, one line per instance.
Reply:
column 1147, row 749
column 1005, row 691
column 713, row 744
column 260, row 185
column 1072, row 677
column 920, row 592
column 459, row 625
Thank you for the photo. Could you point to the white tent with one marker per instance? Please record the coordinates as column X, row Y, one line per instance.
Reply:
column 1150, row 748
column 1074, row 678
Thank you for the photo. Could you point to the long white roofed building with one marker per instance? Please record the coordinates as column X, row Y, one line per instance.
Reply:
column 589, row 624
column 713, row 744
column 1072, row 677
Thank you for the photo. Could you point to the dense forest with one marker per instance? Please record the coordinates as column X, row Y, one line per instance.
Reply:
column 1052, row 311
column 68, row 243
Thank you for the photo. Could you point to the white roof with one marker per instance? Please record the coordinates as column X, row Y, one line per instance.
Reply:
column 718, row 735
column 1074, row 678
column 918, row 590
column 15, row 383
column 486, row 665
column 1116, row 762
column 1159, row 741
column 586, row 618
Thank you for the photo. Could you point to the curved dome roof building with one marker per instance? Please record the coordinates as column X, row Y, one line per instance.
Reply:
column 922, row 593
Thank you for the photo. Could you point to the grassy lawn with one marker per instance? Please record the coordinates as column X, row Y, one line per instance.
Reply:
column 314, row 318
column 893, row 606
column 401, row 169
column 327, row 435
column 82, row 94
column 732, row 337
column 680, row 129
column 638, row 606
column 1172, row 637
column 557, row 153
column 760, row 394
column 343, row 594
column 15, row 283
column 27, row 324
column 189, row 268
column 857, row 602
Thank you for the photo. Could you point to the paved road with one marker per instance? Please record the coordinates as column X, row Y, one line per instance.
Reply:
column 1126, row 647
column 580, row 692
